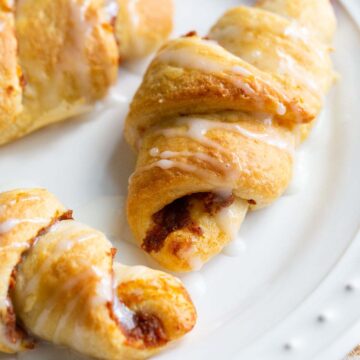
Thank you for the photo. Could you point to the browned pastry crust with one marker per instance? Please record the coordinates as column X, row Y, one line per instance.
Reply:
column 58, row 57
column 59, row 281
column 223, row 115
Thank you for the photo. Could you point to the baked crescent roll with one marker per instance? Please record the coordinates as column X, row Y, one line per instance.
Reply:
column 59, row 282
column 58, row 57
column 216, row 122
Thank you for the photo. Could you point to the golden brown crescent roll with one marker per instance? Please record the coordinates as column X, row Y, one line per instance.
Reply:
column 58, row 57
column 216, row 121
column 60, row 283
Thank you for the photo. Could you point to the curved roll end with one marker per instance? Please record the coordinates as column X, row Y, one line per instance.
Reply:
column 162, row 307
column 142, row 26
column 60, row 282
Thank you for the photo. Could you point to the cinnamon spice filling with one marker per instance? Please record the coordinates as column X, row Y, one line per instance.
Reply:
column 13, row 332
column 176, row 216
column 149, row 329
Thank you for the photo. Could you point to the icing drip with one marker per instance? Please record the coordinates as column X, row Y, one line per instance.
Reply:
column 10, row 224
column 235, row 248
column 229, row 219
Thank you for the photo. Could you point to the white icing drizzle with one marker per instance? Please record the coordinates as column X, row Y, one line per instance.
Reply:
column 239, row 70
column 133, row 13
column 154, row 152
column 83, row 278
column 288, row 66
column 111, row 9
column 23, row 199
column 256, row 54
column 73, row 58
column 187, row 58
column 2, row 26
column 296, row 31
column 103, row 294
column 103, row 288
column 281, row 109
column 198, row 128
column 229, row 220
column 65, row 244
column 137, row 41
column 225, row 168
column 123, row 313
column 168, row 164
column 14, row 246
column 12, row 202
column 10, row 224
column 70, row 307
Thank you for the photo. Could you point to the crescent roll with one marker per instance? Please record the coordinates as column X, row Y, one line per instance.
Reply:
column 59, row 282
column 216, row 122
column 59, row 57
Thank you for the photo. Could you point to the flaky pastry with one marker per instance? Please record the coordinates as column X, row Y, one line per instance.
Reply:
column 58, row 57
column 59, row 282
column 216, row 121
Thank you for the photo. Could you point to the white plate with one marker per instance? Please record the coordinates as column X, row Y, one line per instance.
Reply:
column 294, row 293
